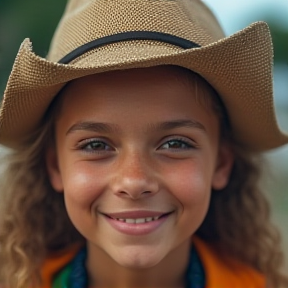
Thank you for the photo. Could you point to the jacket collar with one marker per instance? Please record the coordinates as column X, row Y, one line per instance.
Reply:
column 220, row 271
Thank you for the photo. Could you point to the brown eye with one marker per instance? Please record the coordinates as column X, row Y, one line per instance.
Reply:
column 95, row 145
column 176, row 144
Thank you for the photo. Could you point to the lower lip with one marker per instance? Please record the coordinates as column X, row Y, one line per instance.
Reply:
column 137, row 229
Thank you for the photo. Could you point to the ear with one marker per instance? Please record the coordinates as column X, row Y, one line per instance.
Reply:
column 223, row 167
column 53, row 169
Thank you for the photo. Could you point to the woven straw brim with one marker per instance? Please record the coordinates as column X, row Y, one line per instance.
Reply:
column 238, row 67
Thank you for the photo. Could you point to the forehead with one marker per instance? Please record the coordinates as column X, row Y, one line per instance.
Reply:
column 160, row 79
column 138, row 99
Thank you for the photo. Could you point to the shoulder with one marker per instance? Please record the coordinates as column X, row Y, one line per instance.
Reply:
column 55, row 262
column 226, row 272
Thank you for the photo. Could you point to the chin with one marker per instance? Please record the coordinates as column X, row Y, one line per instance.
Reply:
column 136, row 258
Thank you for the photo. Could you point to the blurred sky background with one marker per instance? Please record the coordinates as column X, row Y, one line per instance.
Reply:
column 37, row 20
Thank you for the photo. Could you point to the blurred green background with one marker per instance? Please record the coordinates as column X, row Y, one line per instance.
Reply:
column 37, row 19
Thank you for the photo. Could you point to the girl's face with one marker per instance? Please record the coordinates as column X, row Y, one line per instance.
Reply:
column 136, row 157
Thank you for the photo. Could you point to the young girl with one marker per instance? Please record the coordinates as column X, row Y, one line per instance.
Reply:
column 134, row 152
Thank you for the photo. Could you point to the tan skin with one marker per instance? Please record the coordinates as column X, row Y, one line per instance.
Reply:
column 137, row 140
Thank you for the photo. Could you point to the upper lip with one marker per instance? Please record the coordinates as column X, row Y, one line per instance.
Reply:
column 135, row 214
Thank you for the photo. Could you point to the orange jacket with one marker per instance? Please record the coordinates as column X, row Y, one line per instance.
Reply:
column 219, row 273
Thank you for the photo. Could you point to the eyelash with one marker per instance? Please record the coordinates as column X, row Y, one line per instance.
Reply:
column 84, row 145
column 181, row 141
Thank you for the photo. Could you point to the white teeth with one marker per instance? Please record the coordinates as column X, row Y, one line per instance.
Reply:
column 138, row 220
column 121, row 219
column 130, row 220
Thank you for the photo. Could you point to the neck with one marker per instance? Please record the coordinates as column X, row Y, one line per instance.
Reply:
column 103, row 271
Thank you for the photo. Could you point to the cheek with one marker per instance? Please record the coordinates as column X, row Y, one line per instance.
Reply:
column 82, row 187
column 192, row 189
column 192, row 185
column 82, row 184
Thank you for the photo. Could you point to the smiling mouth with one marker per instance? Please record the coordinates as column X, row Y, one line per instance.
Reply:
column 138, row 220
column 137, row 223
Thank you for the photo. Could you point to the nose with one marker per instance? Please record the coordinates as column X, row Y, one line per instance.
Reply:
column 134, row 177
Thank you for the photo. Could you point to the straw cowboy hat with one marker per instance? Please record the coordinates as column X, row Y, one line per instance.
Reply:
column 95, row 36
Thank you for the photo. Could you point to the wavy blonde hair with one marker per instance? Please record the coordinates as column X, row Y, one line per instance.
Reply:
column 34, row 221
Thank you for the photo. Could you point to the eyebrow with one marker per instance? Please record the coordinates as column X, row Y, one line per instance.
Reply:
column 101, row 127
column 94, row 127
column 169, row 125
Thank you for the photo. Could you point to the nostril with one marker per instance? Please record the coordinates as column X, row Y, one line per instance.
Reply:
column 134, row 194
column 123, row 192
column 146, row 192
